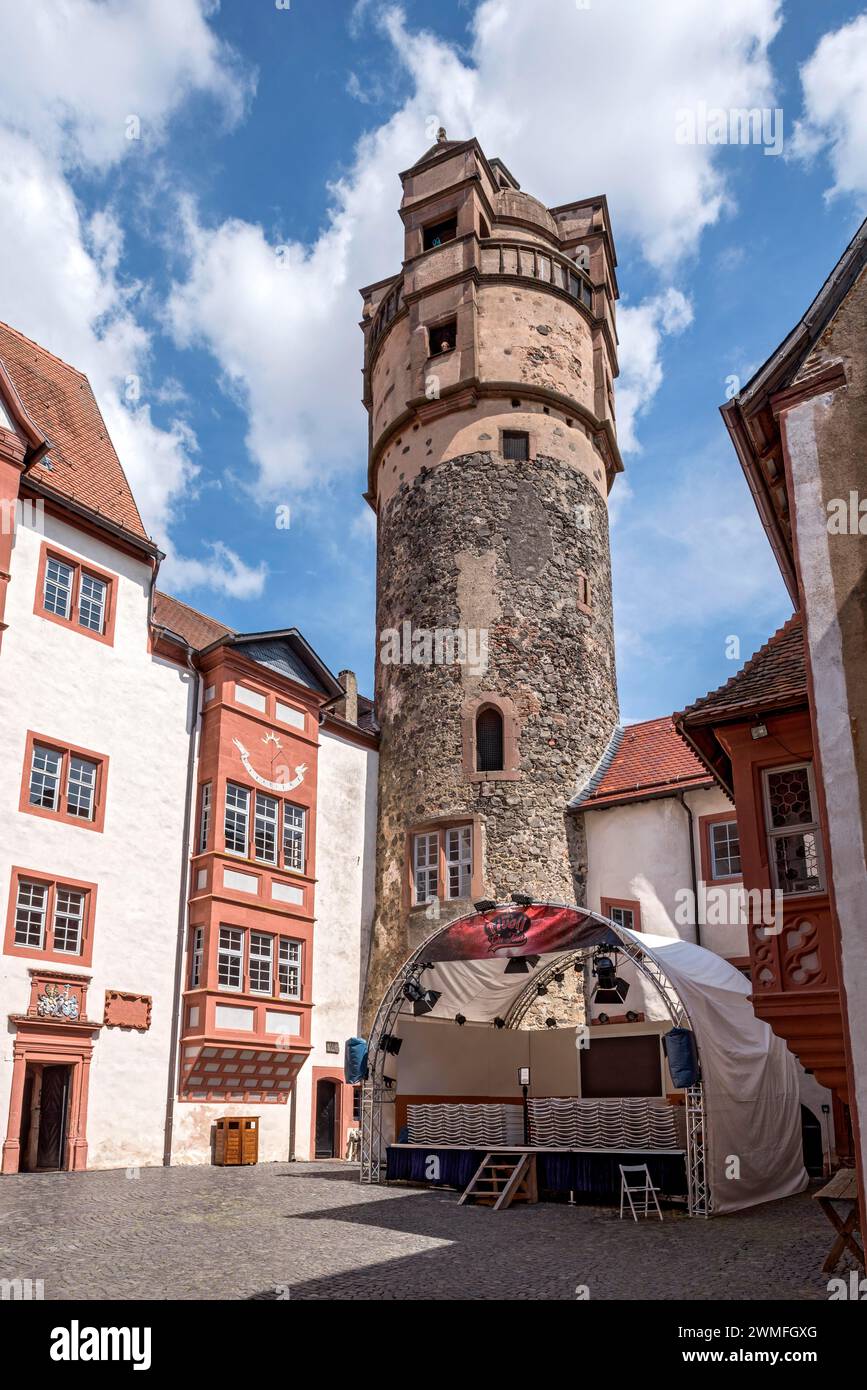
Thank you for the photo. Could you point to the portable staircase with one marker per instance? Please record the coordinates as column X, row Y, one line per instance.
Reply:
column 501, row 1179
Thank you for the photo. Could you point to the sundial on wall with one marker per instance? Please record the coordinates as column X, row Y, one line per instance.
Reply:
column 280, row 773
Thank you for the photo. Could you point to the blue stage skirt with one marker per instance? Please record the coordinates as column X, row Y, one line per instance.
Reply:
column 594, row 1175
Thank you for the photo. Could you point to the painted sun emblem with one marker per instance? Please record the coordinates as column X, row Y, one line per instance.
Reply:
column 283, row 782
column 271, row 737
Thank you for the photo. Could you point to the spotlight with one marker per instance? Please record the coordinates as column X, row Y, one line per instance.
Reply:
column 631, row 1017
column 603, row 1018
column 605, row 972
column 390, row 1044
column 550, row 1023
column 522, row 899
column 559, row 977
column 426, row 1002
column 412, row 991
column 541, row 989
column 485, row 905
column 460, row 1020
column 499, row 1023
column 578, row 967
column 517, row 965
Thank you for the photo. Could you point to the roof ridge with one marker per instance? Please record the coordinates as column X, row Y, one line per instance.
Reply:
column 592, row 782
column 16, row 333
column 750, row 662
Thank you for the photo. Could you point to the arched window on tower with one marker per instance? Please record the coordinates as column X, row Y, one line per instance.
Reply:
column 489, row 740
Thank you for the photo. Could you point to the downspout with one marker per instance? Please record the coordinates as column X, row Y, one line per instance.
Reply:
column 681, row 797
column 182, row 909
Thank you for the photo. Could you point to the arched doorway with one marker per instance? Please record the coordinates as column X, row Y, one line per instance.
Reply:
column 326, row 1119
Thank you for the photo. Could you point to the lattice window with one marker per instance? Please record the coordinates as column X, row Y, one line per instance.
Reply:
column 793, row 829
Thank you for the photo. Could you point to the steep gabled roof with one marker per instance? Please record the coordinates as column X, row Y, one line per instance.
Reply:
column 773, row 678
column 646, row 760
column 82, row 464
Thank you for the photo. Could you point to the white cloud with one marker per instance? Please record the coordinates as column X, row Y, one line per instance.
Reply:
column 641, row 330
column 834, row 82
column 224, row 573
column 599, row 88
column 73, row 72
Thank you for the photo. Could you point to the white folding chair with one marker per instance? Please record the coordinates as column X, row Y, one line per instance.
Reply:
column 643, row 1189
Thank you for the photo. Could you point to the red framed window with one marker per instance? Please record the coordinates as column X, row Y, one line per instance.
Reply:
column 250, row 961
column 624, row 912
column 720, row 848
column 50, row 918
column 63, row 782
column 75, row 594
column 265, row 828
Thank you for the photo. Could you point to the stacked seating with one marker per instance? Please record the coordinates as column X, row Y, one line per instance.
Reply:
column 468, row 1126
column 629, row 1123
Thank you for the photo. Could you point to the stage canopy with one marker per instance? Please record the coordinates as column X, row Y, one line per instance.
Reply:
column 752, row 1143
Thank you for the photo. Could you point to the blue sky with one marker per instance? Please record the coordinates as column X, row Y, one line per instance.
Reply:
column 205, row 272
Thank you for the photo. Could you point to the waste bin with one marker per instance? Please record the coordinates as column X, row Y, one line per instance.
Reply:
column 237, row 1140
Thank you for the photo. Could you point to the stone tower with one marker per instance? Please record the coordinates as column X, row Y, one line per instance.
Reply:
column 488, row 379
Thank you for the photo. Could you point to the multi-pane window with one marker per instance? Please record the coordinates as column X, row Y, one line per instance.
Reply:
column 197, row 942
column 230, row 958
column 725, row 850
column 39, row 904
column 793, row 829
column 205, row 818
column 91, row 602
column 622, row 917
column 459, row 861
column 81, row 787
column 68, row 920
column 426, row 854
column 30, row 912
column 294, row 827
column 45, row 772
column 261, row 962
column 237, row 819
column 289, row 969
column 265, row 828
column 57, row 593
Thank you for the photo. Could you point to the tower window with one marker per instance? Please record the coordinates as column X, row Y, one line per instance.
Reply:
column 516, row 445
column 442, row 338
column 489, row 741
column 439, row 233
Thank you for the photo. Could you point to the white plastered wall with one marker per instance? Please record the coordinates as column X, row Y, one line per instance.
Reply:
column 130, row 705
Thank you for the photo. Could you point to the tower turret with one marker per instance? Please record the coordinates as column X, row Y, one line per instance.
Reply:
column 489, row 363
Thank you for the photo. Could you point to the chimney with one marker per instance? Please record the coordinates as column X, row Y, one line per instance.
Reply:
column 348, row 706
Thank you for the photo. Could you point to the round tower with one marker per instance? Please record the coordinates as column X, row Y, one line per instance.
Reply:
column 488, row 371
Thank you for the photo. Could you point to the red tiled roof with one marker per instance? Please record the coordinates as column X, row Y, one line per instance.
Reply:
column 775, row 676
column 85, row 467
column 650, row 759
column 196, row 628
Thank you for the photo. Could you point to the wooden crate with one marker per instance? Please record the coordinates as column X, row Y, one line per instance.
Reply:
column 237, row 1140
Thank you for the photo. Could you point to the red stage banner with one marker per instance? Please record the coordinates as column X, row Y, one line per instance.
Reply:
column 512, row 930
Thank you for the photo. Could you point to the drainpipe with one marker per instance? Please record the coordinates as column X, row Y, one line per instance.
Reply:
column 182, row 908
column 681, row 797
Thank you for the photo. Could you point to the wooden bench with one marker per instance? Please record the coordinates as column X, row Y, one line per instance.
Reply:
column 842, row 1188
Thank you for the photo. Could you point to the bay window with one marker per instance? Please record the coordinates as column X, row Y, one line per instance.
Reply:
column 237, row 818
column 261, row 962
column 794, row 837
column 265, row 828
column 274, row 823
column 246, row 960
column 230, row 958
column 289, row 969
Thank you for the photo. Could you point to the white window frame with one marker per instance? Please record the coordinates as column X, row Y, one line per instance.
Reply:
column 61, row 582
column 70, row 916
column 80, row 786
column 197, row 953
column 617, row 914
column 295, row 835
column 289, row 958
column 711, row 831
column 789, row 831
column 46, row 775
column 425, row 870
column 240, row 817
column 94, row 603
column 232, row 956
column 261, row 955
column 205, row 817
column 36, row 916
column 459, row 866
column 266, row 825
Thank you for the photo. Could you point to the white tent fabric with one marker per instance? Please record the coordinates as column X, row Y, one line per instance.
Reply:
column 753, row 1147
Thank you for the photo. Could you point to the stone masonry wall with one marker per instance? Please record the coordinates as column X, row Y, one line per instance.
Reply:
column 478, row 541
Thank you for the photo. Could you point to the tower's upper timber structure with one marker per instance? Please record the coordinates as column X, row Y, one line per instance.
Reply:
column 488, row 371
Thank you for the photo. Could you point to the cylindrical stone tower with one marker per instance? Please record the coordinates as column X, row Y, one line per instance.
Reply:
column 489, row 362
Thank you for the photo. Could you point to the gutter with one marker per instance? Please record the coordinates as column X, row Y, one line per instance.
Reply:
column 681, row 797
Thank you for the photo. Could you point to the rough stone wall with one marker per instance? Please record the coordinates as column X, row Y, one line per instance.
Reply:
column 480, row 541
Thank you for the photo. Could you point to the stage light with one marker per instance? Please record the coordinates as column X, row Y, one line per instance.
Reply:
column 499, row 1023
column 460, row 1020
column 390, row 1044
column 541, row 989
column 603, row 1018
column 412, row 991
column 559, row 977
column 522, row 899
column 550, row 1023
column 426, row 1002
column 631, row 1017
column 485, row 905
column 605, row 972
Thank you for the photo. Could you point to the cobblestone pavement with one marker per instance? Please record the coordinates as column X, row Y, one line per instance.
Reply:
column 311, row 1231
